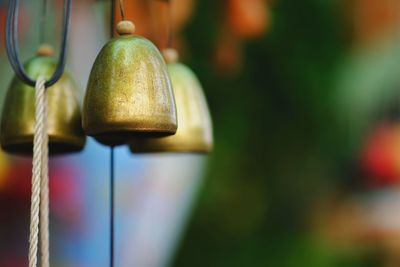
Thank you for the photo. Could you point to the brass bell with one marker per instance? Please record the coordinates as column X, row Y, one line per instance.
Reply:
column 64, row 117
column 195, row 127
column 129, row 92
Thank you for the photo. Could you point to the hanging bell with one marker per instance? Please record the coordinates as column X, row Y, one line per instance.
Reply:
column 64, row 117
column 129, row 92
column 195, row 128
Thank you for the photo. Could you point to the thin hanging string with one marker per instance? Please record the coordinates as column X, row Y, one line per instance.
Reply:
column 11, row 23
column 40, row 157
column 112, row 163
column 170, row 28
column 112, row 200
column 121, row 9
column 42, row 30
column 170, row 25
column 112, row 18
column 13, row 48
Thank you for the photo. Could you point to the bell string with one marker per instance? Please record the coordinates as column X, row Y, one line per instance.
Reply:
column 112, row 162
column 112, row 18
column 170, row 38
column 122, row 9
column 112, row 204
column 42, row 30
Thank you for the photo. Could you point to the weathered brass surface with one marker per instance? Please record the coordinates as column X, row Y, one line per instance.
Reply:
column 64, row 117
column 194, row 133
column 129, row 93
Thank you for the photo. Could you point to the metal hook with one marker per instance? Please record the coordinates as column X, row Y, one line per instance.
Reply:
column 12, row 43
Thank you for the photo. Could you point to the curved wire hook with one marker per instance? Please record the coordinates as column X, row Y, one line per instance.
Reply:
column 12, row 44
column 9, row 44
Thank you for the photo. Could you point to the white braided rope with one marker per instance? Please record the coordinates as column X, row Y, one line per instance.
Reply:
column 44, row 190
column 39, row 178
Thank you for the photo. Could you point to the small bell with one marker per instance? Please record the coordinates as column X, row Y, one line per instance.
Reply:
column 129, row 92
column 195, row 128
column 64, row 117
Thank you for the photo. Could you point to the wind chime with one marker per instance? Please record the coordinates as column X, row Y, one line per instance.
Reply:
column 130, row 99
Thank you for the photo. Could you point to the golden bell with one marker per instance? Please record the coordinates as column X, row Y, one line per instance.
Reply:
column 64, row 117
column 129, row 92
column 195, row 128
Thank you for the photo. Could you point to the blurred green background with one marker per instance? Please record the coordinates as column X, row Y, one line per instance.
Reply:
column 288, row 129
